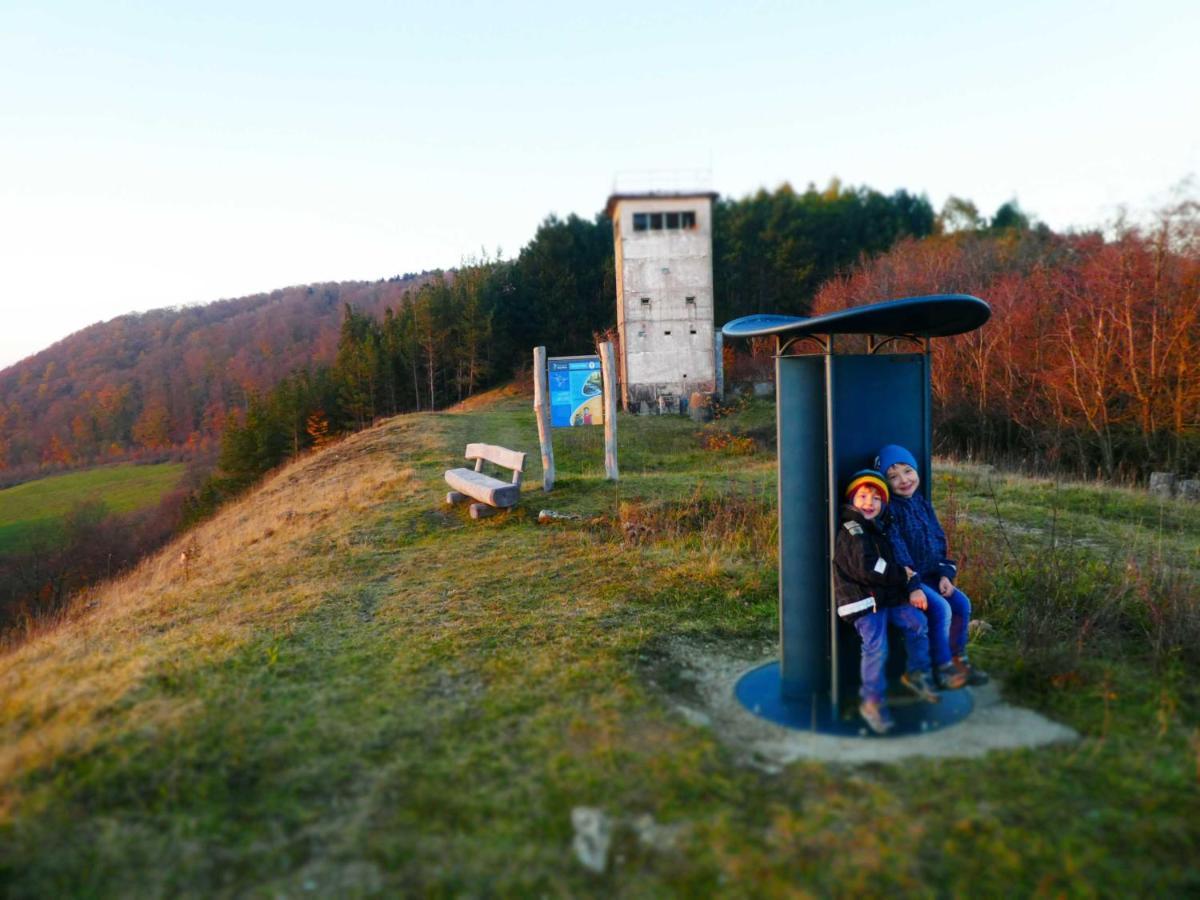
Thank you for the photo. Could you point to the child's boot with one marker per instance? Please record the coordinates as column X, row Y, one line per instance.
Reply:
column 918, row 682
column 975, row 677
column 949, row 678
column 876, row 715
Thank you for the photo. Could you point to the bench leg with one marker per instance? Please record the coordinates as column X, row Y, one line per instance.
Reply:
column 455, row 497
column 482, row 510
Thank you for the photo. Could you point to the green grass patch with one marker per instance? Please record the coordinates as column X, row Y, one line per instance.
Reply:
column 37, row 507
column 1114, row 521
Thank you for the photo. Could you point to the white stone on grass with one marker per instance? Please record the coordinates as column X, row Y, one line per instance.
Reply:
column 593, row 834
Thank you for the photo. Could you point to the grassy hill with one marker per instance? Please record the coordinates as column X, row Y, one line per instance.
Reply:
column 350, row 690
column 36, row 507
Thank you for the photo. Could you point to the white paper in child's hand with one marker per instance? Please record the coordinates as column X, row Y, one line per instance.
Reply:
column 880, row 566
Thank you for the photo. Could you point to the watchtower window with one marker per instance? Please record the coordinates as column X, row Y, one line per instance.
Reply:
column 691, row 300
column 671, row 221
column 645, row 301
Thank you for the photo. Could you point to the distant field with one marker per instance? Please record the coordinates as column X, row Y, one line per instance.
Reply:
column 38, row 506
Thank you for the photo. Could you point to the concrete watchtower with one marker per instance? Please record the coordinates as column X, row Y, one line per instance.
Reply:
column 664, row 274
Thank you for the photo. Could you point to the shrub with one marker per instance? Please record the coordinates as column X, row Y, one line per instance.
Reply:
column 1065, row 606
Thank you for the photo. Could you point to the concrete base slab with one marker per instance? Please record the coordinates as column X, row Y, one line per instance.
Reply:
column 993, row 725
column 761, row 692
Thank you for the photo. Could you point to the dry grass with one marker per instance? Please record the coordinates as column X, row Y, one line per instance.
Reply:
column 258, row 561
column 513, row 391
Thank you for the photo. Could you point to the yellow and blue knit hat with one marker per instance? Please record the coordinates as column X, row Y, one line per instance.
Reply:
column 867, row 477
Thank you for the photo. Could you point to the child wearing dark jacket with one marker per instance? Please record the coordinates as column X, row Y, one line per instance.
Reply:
column 920, row 543
column 872, row 591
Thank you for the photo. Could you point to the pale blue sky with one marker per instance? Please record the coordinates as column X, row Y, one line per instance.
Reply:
column 155, row 153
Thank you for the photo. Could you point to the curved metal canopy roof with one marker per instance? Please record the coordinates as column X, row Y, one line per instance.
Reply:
column 939, row 315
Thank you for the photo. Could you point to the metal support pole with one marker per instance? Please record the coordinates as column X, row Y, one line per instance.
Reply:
column 831, row 523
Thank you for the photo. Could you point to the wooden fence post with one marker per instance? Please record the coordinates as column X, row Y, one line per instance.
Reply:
column 541, row 406
column 608, row 372
column 719, row 364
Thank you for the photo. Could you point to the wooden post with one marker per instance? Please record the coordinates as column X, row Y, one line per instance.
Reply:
column 541, row 406
column 608, row 372
column 719, row 364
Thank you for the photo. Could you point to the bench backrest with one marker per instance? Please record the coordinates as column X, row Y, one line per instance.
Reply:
column 500, row 456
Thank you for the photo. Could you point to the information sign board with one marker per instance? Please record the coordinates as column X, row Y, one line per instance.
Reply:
column 576, row 391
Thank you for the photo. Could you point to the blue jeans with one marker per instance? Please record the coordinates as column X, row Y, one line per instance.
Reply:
column 872, row 628
column 948, row 618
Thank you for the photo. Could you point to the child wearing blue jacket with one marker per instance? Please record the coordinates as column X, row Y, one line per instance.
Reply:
column 920, row 543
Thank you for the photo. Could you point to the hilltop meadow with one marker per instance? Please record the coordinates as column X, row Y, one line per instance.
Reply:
column 350, row 689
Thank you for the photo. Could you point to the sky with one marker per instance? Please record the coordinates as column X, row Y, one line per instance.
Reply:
column 158, row 153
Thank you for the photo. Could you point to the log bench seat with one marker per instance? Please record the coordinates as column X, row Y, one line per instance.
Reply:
column 492, row 494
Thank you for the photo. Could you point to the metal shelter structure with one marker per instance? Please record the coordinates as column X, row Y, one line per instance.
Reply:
column 833, row 412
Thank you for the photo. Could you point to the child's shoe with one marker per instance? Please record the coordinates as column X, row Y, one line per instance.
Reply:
column 918, row 682
column 877, row 717
column 949, row 678
column 975, row 677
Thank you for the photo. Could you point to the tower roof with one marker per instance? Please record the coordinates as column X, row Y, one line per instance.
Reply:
column 614, row 199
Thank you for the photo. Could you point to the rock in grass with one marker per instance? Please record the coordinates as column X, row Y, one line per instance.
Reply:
column 1189, row 489
column 977, row 628
column 549, row 515
column 593, row 834
column 655, row 836
column 1162, row 484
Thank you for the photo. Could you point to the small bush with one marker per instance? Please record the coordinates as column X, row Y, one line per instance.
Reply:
column 1160, row 606
column 1061, row 606
column 727, row 442
column 1064, row 606
column 737, row 523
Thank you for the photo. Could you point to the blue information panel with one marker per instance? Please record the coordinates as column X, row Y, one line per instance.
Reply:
column 576, row 391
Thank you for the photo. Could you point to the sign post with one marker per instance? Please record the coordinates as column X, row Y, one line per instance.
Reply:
column 574, row 391
column 608, row 368
column 541, row 406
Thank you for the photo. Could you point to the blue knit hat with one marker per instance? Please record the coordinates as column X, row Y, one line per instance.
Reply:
column 892, row 454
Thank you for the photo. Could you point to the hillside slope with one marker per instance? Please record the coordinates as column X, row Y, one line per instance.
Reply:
column 169, row 376
column 350, row 690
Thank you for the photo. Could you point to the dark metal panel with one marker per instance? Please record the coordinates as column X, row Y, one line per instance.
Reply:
column 877, row 400
column 803, row 528
column 824, row 437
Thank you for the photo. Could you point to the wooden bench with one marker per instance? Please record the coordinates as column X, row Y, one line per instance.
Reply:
column 492, row 493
